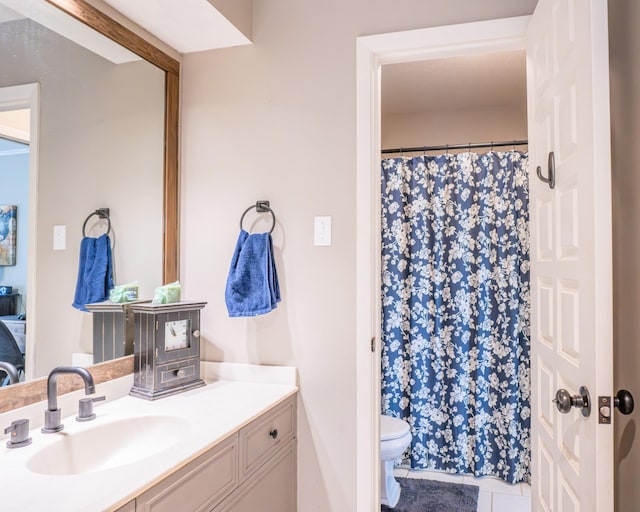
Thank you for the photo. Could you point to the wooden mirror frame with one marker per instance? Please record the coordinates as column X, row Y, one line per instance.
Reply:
column 26, row 393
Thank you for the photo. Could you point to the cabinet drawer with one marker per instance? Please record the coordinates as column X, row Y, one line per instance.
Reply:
column 264, row 436
column 198, row 486
column 171, row 372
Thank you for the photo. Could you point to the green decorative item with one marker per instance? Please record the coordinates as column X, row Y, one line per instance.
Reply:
column 167, row 294
column 124, row 292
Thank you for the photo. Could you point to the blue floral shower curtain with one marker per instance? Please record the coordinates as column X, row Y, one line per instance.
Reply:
column 455, row 307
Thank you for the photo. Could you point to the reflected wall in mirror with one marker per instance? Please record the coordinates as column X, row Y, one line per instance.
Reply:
column 104, row 137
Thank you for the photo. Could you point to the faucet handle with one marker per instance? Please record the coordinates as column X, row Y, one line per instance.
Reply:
column 19, row 430
column 85, row 408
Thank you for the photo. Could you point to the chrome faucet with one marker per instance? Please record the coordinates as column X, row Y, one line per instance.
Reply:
column 11, row 371
column 52, row 416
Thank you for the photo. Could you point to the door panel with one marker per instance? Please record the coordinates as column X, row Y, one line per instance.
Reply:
column 567, row 81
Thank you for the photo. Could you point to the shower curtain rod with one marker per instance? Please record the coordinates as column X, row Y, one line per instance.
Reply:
column 475, row 145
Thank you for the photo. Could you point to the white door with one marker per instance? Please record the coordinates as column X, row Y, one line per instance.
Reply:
column 571, row 274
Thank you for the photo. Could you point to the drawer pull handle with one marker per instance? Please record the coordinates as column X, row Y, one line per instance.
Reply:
column 274, row 433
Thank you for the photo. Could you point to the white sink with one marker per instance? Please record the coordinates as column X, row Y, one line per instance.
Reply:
column 108, row 445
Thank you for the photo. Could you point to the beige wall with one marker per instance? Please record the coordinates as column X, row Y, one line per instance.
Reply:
column 101, row 140
column 238, row 12
column 455, row 127
column 276, row 120
column 624, row 16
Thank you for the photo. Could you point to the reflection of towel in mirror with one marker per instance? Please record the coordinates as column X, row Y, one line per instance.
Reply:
column 252, row 285
column 95, row 272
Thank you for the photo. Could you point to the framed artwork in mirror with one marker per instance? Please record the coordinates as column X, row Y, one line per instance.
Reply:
column 8, row 234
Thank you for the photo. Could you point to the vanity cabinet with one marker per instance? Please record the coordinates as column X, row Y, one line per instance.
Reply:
column 129, row 507
column 253, row 469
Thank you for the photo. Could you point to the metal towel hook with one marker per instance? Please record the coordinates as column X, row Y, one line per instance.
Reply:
column 102, row 213
column 551, row 172
column 261, row 207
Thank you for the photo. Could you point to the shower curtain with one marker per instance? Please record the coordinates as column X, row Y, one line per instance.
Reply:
column 455, row 308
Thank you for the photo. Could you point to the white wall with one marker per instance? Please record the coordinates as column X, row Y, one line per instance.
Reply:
column 276, row 120
column 101, row 145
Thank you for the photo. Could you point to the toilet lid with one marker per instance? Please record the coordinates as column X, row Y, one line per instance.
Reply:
column 392, row 428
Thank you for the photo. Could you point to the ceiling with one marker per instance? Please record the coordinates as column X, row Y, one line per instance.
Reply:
column 14, row 124
column 185, row 25
column 490, row 80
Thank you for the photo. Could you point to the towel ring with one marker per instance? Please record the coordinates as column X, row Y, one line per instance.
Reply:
column 102, row 213
column 261, row 207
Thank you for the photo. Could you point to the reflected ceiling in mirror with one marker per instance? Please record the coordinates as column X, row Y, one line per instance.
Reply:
column 99, row 142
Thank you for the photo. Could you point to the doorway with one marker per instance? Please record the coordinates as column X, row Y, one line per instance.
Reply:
column 454, row 105
column 25, row 99
column 373, row 52
column 14, row 197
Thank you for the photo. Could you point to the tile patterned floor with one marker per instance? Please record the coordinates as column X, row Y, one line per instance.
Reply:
column 495, row 495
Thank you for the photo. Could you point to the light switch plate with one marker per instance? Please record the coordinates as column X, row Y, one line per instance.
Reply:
column 322, row 230
column 59, row 238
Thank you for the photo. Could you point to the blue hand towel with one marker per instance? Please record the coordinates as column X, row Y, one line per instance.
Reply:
column 95, row 272
column 252, row 285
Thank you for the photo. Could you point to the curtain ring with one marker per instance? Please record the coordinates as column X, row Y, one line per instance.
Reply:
column 447, row 150
column 469, row 148
column 491, row 145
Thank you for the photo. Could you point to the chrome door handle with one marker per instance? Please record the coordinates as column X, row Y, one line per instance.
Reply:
column 565, row 401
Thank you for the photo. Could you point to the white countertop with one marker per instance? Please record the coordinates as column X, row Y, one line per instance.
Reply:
column 214, row 412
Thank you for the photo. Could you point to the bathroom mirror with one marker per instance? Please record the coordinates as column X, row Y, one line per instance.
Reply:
column 106, row 136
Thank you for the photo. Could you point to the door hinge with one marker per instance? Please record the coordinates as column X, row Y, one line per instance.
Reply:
column 373, row 344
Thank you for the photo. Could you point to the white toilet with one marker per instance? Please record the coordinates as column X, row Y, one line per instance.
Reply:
column 394, row 439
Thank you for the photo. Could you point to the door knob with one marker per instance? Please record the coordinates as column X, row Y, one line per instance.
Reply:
column 565, row 401
column 623, row 401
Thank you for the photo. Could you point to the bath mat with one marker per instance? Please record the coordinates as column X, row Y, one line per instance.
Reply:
column 419, row 495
